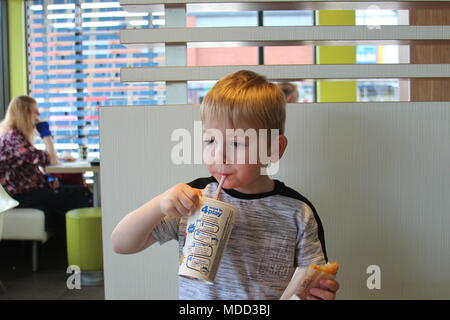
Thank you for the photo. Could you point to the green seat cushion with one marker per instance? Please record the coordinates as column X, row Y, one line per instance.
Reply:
column 84, row 238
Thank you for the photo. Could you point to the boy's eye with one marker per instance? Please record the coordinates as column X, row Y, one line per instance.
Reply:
column 238, row 142
column 209, row 141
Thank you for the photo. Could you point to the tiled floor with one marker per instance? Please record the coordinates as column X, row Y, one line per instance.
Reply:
column 49, row 282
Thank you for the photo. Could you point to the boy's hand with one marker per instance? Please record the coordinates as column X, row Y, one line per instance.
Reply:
column 325, row 291
column 180, row 200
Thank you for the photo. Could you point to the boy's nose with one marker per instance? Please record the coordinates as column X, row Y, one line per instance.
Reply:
column 220, row 156
column 224, row 154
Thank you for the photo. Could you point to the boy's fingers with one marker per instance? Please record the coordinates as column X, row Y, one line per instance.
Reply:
column 331, row 285
column 182, row 210
column 322, row 294
column 193, row 194
column 175, row 208
column 199, row 197
column 172, row 212
column 185, row 201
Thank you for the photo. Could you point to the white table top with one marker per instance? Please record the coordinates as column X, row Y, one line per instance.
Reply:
column 72, row 167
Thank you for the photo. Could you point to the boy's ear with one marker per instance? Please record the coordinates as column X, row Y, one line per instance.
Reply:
column 282, row 145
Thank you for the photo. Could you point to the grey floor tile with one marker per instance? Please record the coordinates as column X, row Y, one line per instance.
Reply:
column 49, row 282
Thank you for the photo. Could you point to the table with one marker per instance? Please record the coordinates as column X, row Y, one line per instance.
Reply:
column 80, row 166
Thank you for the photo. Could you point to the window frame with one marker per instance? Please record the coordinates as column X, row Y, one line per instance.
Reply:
column 4, row 65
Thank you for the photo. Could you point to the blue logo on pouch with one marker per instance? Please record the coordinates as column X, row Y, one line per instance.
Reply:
column 211, row 210
column 191, row 228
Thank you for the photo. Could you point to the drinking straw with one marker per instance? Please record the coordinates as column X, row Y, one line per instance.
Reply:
column 222, row 180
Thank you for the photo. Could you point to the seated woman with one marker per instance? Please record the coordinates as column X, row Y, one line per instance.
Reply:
column 22, row 166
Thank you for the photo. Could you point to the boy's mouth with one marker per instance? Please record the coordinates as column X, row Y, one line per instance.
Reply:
column 224, row 174
column 226, row 184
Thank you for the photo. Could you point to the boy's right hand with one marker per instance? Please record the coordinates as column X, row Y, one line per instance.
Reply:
column 180, row 200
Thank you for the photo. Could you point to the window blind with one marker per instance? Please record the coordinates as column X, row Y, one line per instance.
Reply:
column 74, row 61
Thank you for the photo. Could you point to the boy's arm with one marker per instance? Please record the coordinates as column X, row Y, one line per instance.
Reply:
column 311, row 249
column 310, row 241
column 133, row 233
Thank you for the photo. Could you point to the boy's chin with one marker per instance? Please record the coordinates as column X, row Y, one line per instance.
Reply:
column 228, row 185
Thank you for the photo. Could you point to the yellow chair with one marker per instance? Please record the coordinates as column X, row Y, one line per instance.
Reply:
column 84, row 243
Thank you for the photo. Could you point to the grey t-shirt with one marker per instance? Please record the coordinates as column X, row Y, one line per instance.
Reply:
column 274, row 233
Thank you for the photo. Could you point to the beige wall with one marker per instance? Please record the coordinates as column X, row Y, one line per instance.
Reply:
column 378, row 174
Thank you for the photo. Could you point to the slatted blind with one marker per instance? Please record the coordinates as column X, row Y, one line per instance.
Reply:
column 74, row 61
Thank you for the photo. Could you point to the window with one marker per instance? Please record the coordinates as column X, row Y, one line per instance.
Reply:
column 379, row 89
column 368, row 90
column 246, row 55
column 74, row 61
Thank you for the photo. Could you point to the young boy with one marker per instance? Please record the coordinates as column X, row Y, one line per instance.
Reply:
column 276, row 228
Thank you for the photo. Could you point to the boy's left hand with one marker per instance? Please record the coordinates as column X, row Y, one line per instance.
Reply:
column 325, row 291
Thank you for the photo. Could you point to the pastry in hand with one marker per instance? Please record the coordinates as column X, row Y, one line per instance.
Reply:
column 330, row 267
